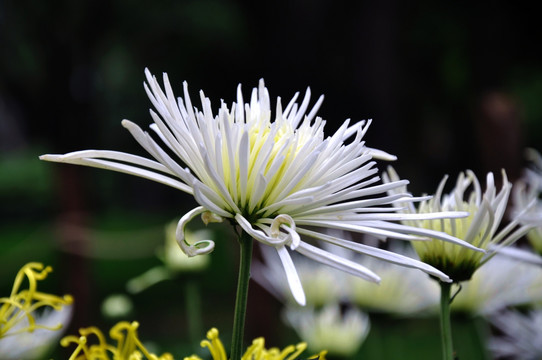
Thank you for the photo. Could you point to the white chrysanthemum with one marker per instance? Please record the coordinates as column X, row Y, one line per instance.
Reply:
column 341, row 334
column 502, row 282
column 402, row 291
column 274, row 175
column 34, row 345
column 480, row 228
column 521, row 336
column 526, row 192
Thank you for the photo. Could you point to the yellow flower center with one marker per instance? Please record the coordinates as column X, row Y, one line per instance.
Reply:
column 457, row 261
column 273, row 147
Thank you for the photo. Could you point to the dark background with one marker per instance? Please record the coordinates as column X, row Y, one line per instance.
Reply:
column 450, row 86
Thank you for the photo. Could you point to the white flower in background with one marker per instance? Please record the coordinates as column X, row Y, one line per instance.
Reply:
column 117, row 306
column 402, row 291
column 523, row 254
column 501, row 283
column 526, row 191
column 178, row 261
column 322, row 285
column 30, row 320
column 273, row 175
column 480, row 228
column 36, row 344
column 521, row 337
column 341, row 334
column 174, row 260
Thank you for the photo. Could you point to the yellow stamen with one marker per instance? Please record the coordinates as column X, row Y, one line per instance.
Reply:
column 129, row 347
column 22, row 304
column 256, row 351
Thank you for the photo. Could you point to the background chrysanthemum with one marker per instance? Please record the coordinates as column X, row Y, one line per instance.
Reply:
column 502, row 282
column 340, row 331
column 527, row 191
column 520, row 336
column 483, row 228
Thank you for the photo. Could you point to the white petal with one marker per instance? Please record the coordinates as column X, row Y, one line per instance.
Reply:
column 87, row 158
column 291, row 275
column 377, row 253
column 337, row 262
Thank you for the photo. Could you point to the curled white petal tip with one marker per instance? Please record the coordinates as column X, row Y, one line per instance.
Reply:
column 278, row 221
column 201, row 247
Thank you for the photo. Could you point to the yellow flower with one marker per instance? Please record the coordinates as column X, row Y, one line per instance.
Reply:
column 256, row 351
column 26, row 330
column 128, row 347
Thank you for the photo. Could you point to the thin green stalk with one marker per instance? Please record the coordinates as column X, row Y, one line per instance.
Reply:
column 242, row 293
column 193, row 310
column 445, row 324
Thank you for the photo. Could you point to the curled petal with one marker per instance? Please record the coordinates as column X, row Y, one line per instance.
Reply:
column 287, row 223
column 260, row 235
column 201, row 247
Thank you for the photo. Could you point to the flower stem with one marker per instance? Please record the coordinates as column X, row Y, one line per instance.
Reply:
column 445, row 324
column 193, row 310
column 242, row 293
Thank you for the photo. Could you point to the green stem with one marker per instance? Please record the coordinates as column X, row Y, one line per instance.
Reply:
column 242, row 294
column 193, row 311
column 445, row 324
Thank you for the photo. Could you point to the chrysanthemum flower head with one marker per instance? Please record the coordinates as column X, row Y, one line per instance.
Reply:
column 481, row 228
column 341, row 333
column 520, row 337
column 256, row 351
column 528, row 191
column 402, row 291
column 502, row 282
column 30, row 319
column 128, row 346
column 271, row 173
